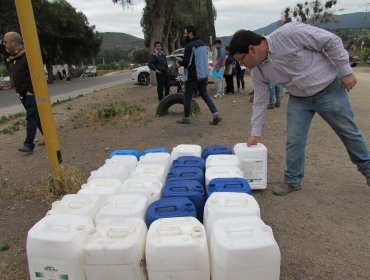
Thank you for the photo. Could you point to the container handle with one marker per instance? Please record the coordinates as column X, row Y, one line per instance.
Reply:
column 169, row 231
column 77, row 204
column 236, row 203
column 118, row 232
column 58, row 227
column 239, row 231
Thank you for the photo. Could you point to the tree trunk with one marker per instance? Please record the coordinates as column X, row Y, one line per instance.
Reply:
column 165, row 43
column 49, row 69
column 157, row 10
column 211, row 20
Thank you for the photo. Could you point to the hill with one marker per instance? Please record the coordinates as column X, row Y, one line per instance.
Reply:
column 345, row 21
column 114, row 40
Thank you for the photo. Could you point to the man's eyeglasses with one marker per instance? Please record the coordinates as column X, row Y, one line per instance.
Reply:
column 240, row 59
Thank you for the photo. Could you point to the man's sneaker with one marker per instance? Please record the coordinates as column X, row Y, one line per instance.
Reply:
column 41, row 143
column 283, row 189
column 216, row 95
column 270, row 106
column 215, row 120
column 25, row 149
column 183, row 121
column 277, row 105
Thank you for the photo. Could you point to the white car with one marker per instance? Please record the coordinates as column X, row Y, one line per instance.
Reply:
column 178, row 51
column 5, row 83
column 141, row 75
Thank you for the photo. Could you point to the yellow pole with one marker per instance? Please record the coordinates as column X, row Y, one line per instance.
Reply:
column 32, row 47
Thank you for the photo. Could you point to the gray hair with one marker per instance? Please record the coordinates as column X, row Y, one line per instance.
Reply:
column 15, row 36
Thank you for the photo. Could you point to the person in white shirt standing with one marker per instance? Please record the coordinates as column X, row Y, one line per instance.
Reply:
column 312, row 64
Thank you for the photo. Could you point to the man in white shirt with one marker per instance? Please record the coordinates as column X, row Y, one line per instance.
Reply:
column 312, row 64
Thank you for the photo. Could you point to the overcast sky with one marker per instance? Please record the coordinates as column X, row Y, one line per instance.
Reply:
column 231, row 14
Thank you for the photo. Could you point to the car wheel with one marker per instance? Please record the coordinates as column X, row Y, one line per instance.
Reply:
column 144, row 78
column 354, row 64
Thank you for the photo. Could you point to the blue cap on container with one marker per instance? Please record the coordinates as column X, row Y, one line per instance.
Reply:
column 124, row 153
column 155, row 150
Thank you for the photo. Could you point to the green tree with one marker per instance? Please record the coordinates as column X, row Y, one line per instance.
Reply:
column 141, row 55
column 164, row 20
column 310, row 12
column 65, row 35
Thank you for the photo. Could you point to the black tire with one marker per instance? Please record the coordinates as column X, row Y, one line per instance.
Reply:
column 173, row 99
column 144, row 78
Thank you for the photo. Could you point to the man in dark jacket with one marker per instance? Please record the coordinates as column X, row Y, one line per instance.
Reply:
column 196, row 73
column 158, row 63
column 23, row 86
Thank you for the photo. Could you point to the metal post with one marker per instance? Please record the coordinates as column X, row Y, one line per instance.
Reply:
column 32, row 47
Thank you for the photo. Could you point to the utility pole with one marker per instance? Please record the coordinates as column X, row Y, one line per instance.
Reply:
column 32, row 47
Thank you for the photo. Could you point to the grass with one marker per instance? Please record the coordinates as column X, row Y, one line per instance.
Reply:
column 119, row 111
column 66, row 180
column 57, row 102
column 15, row 126
column 9, row 118
column 21, row 123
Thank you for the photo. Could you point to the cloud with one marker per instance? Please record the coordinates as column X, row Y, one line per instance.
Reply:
column 231, row 15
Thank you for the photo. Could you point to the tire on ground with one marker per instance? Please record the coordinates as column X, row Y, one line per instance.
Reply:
column 173, row 99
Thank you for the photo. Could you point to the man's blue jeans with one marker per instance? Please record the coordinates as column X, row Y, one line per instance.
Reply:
column 333, row 106
column 276, row 92
column 32, row 118
column 190, row 87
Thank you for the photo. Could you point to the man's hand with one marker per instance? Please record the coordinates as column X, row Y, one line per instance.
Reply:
column 253, row 140
column 349, row 82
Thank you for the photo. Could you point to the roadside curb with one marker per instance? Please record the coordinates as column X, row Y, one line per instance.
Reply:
column 61, row 97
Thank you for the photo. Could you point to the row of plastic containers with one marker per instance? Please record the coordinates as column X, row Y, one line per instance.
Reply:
column 100, row 232
column 252, row 160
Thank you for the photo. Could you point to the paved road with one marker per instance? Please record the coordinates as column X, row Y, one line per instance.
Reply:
column 10, row 104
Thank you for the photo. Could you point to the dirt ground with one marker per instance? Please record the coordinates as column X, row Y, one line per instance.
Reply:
column 322, row 230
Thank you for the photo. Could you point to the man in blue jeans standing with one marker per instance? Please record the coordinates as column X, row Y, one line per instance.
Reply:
column 196, row 70
column 276, row 92
column 23, row 85
column 312, row 64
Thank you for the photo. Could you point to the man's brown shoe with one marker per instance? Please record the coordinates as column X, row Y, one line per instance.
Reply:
column 183, row 121
column 283, row 189
column 215, row 121
column 25, row 149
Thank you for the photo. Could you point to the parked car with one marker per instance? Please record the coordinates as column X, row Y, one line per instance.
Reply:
column 178, row 51
column 90, row 72
column 88, row 75
column 5, row 83
column 368, row 60
column 141, row 75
